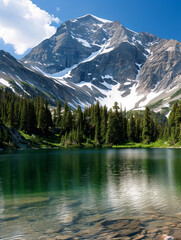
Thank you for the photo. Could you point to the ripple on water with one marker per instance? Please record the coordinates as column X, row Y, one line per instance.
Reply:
column 69, row 193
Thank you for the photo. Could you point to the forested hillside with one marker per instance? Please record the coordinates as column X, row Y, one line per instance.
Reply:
column 95, row 125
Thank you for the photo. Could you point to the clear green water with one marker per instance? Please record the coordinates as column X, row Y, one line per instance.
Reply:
column 51, row 192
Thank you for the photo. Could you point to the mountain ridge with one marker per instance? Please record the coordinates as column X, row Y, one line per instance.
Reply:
column 103, row 60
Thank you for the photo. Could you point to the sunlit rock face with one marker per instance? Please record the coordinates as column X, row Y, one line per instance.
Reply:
column 90, row 59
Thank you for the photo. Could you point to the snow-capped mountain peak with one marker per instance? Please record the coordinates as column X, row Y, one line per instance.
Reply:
column 90, row 59
column 90, row 16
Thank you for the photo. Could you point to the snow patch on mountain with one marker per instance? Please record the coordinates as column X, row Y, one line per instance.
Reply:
column 107, row 77
column 67, row 71
column 106, row 50
column 102, row 20
column 99, row 19
column 139, row 70
column 149, row 97
column 4, row 82
column 114, row 95
column 127, row 83
column 19, row 85
column 107, row 85
column 82, row 41
column 83, row 84
column 113, row 69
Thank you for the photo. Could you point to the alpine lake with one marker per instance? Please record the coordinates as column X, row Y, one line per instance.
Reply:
column 90, row 194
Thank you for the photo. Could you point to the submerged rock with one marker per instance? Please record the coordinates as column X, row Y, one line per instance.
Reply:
column 165, row 237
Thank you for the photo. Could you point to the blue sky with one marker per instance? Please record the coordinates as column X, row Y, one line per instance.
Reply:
column 159, row 17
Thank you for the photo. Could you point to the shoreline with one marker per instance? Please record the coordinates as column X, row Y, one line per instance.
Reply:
column 91, row 147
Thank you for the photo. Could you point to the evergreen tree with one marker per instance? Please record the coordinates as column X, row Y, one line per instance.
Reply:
column 172, row 116
column 45, row 118
column 79, row 118
column 23, row 122
column 11, row 119
column 17, row 114
column 97, row 118
column 1, row 137
column 178, row 122
column 30, row 118
column 79, row 124
column 147, row 126
column 173, row 122
column 138, row 126
column 65, row 121
column 58, row 115
column 124, row 126
column 92, row 124
column 87, row 125
column 117, row 118
column 104, row 118
column 132, row 129
column 111, row 128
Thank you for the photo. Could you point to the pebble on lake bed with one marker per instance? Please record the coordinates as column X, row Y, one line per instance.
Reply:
column 165, row 237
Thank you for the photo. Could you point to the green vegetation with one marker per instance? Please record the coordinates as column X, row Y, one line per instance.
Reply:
column 165, row 110
column 96, row 126
column 157, row 144
column 5, row 137
column 156, row 104
column 177, row 93
column 172, row 102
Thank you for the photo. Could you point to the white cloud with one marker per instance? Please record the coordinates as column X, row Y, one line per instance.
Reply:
column 24, row 25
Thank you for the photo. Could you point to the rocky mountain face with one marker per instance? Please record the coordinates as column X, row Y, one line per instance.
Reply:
column 91, row 59
column 27, row 82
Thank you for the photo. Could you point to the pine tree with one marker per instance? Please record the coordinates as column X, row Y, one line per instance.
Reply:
column 23, row 122
column 139, row 127
column 58, row 114
column 147, row 126
column 124, row 126
column 111, row 128
column 178, row 122
column 79, row 118
column 31, row 121
column 16, row 114
column 1, row 137
column 66, row 120
column 97, row 138
column 104, row 118
column 11, row 119
column 166, row 133
column 132, row 129
column 173, row 122
column 45, row 118
column 172, row 116
column 118, row 124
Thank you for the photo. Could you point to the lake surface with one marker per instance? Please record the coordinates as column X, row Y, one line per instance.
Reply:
column 44, row 193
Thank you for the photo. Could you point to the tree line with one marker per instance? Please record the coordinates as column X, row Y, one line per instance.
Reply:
column 173, row 130
column 96, row 125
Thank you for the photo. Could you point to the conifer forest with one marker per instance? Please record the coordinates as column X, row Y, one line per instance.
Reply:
column 96, row 124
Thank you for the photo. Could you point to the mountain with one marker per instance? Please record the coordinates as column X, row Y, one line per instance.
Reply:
column 91, row 59
column 24, row 81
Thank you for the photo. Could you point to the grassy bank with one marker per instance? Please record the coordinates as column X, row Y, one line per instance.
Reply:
column 54, row 141
column 157, row 144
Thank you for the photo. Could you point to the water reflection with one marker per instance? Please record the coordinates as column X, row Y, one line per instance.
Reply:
column 65, row 171
column 53, row 186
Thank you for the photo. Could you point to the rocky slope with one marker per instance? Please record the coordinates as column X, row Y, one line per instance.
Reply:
column 25, row 81
column 91, row 59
